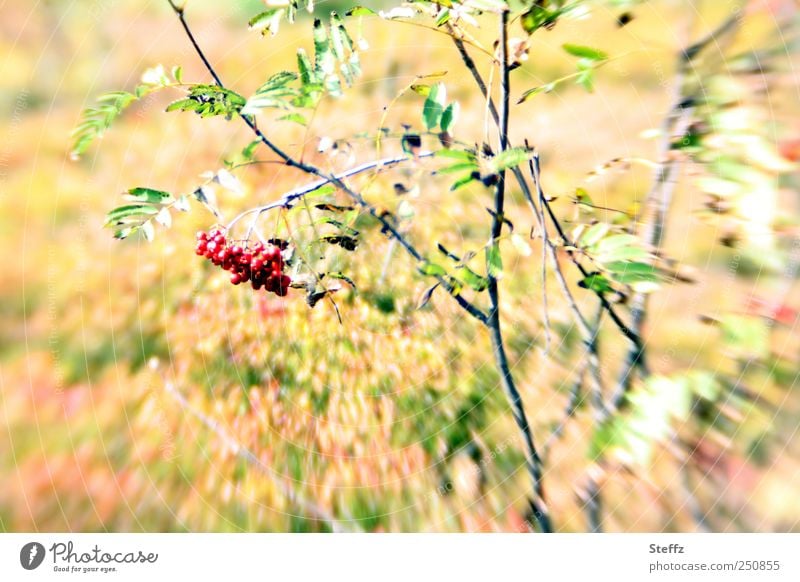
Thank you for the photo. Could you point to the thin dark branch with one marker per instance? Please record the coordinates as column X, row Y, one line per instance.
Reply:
column 386, row 225
column 533, row 460
column 290, row 198
column 526, row 191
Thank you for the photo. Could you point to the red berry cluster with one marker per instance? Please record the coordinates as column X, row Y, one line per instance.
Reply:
column 260, row 264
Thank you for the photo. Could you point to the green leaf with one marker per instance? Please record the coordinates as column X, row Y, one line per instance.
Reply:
column 458, row 168
column 535, row 91
column 620, row 247
column 210, row 100
column 433, row 109
column 274, row 94
column 538, row 17
column 585, row 52
column 269, row 20
column 294, row 118
column 642, row 277
column 449, row 116
column 593, row 234
column 494, row 261
column 510, row 158
column 129, row 210
column 630, row 253
column 432, row 269
column 456, row 154
column 472, row 279
column 597, row 283
column 360, row 11
column 586, row 80
column 96, row 120
column 461, row 182
column 149, row 195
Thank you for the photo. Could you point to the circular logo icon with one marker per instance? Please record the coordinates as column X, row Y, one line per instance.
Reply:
column 31, row 555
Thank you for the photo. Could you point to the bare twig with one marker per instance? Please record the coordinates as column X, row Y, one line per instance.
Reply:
column 289, row 199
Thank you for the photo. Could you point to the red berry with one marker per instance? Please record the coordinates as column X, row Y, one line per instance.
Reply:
column 236, row 279
column 212, row 246
column 272, row 253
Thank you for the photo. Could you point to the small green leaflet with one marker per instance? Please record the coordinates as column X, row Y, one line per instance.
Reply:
column 147, row 205
column 597, row 283
column 433, row 109
column 267, row 21
column 95, row 121
column 510, row 158
column 275, row 93
column 432, row 269
column 449, row 116
column 585, row 52
column 209, row 101
column 494, row 261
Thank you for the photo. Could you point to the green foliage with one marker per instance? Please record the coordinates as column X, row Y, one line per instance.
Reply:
column 210, row 101
column 336, row 59
column 146, row 207
column 275, row 93
column 98, row 119
column 621, row 258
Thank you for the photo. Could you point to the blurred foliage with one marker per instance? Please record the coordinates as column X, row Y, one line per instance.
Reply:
column 393, row 419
